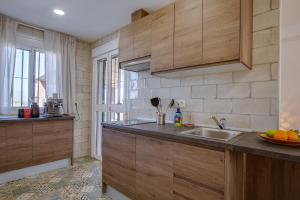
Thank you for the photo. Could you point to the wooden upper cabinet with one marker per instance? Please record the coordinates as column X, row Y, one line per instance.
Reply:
column 221, row 30
column 142, row 37
column 126, row 43
column 162, row 39
column 188, row 33
column 135, row 40
column 154, row 172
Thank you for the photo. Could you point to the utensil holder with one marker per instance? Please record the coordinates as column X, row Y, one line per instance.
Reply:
column 161, row 118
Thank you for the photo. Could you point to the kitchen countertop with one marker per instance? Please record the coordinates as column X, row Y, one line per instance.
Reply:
column 9, row 119
column 246, row 142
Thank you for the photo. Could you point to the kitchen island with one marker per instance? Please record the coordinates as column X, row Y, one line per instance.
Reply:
column 148, row 161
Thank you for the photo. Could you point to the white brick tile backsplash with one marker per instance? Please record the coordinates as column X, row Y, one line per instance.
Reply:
column 206, row 91
column 163, row 93
column 218, row 78
column 153, row 82
column 264, row 123
column 194, row 80
column 258, row 73
column 265, row 37
column 170, row 82
column 181, row 93
column 252, row 106
column 217, row 106
column 236, row 90
column 264, row 89
column 194, row 105
column 236, row 121
column 274, row 107
column 202, row 118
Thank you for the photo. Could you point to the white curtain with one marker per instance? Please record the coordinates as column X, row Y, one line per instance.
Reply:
column 8, row 31
column 61, row 68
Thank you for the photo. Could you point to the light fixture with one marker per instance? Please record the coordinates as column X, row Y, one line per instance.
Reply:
column 59, row 12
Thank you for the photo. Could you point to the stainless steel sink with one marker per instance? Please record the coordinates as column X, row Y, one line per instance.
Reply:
column 211, row 133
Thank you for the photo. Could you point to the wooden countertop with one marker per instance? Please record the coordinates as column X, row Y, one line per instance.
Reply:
column 248, row 143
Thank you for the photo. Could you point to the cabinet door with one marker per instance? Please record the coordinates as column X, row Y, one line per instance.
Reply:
column 142, row 37
column 162, row 39
column 2, row 145
column 118, row 152
column 126, row 43
column 188, row 33
column 221, row 30
column 52, row 140
column 154, row 173
column 198, row 172
column 18, row 145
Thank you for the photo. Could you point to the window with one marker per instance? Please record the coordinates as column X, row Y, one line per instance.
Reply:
column 29, row 78
column 117, row 82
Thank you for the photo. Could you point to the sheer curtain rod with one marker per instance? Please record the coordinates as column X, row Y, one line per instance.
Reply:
column 30, row 26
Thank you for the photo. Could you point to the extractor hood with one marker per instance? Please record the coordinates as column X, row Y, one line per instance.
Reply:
column 137, row 65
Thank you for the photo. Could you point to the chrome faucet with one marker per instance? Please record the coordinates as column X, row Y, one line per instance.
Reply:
column 221, row 123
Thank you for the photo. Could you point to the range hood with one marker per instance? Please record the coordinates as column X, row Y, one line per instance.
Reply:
column 137, row 65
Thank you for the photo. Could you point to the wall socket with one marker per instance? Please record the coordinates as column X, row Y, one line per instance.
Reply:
column 180, row 103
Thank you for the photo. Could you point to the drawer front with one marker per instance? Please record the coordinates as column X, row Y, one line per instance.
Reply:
column 200, row 166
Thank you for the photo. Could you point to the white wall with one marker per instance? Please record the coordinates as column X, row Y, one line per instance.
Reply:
column 289, row 64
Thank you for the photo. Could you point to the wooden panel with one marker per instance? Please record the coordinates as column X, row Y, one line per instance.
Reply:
column 246, row 32
column 138, row 14
column 162, row 39
column 202, row 166
column 126, row 43
column 2, row 145
column 118, row 152
column 221, row 30
column 154, row 173
column 52, row 140
column 187, row 189
column 188, row 33
column 234, row 175
column 142, row 37
column 18, row 146
column 272, row 179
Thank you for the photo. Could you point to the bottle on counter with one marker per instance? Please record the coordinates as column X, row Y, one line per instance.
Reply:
column 178, row 118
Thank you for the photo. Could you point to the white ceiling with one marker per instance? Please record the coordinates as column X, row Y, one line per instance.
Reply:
column 85, row 19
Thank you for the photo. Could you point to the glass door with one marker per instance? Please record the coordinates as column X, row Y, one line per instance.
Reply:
column 108, row 95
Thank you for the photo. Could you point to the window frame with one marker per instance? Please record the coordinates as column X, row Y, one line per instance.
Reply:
column 32, row 45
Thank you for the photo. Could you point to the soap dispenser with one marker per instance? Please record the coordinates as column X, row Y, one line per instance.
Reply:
column 178, row 118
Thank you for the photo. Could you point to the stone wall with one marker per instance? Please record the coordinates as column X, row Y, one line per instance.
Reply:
column 83, row 83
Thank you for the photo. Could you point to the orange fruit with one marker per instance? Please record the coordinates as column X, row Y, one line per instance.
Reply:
column 281, row 135
column 292, row 136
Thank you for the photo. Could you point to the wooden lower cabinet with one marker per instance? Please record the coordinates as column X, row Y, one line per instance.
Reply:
column 118, row 153
column 24, row 144
column 52, row 140
column 198, row 172
column 16, row 146
column 154, row 172
column 146, row 168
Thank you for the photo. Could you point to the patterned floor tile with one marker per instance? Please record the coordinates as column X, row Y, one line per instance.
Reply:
column 81, row 181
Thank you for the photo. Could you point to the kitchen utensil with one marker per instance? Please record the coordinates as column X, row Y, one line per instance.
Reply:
column 161, row 118
column 160, row 105
column 265, row 137
column 171, row 104
column 155, row 103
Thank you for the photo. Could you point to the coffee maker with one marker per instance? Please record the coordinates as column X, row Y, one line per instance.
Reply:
column 53, row 107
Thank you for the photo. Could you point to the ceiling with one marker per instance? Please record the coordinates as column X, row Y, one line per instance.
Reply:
column 85, row 19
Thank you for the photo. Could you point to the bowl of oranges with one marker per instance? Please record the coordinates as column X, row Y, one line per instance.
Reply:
column 289, row 138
